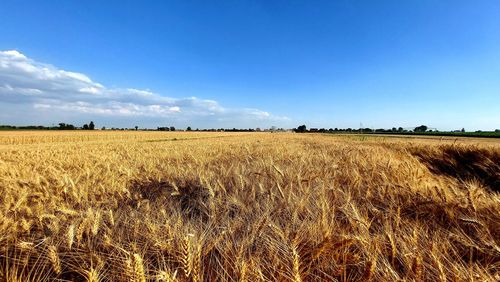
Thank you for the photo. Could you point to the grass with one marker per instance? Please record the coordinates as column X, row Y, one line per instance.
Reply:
column 254, row 207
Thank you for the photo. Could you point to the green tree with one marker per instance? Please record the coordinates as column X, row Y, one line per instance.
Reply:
column 64, row 126
column 422, row 128
column 301, row 128
column 91, row 125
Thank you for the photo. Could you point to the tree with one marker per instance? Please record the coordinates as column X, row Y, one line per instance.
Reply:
column 400, row 129
column 172, row 128
column 463, row 130
column 85, row 127
column 188, row 128
column 421, row 128
column 91, row 125
column 136, row 128
column 301, row 128
column 103, row 128
column 65, row 126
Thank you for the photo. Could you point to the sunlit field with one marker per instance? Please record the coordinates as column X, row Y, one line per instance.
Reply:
column 190, row 206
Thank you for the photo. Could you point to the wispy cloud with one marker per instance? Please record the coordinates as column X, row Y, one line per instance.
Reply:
column 31, row 92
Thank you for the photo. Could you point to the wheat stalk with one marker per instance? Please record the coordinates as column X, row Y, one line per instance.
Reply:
column 92, row 275
column 296, row 265
column 417, row 267
column 54, row 259
column 138, row 267
column 96, row 222
column 70, row 235
column 186, row 257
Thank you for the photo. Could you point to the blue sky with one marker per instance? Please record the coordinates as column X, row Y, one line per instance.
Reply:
column 251, row 63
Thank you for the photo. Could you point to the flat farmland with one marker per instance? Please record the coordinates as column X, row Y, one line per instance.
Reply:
column 217, row 206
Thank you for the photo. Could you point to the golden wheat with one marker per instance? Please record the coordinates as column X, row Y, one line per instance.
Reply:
column 187, row 206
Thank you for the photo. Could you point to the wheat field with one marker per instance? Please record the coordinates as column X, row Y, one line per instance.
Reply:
column 189, row 206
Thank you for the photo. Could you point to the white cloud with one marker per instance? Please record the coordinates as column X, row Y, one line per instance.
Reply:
column 90, row 90
column 49, row 93
column 14, row 54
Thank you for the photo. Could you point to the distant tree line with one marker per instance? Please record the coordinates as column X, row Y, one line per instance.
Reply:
column 64, row 126
column 27, row 127
column 61, row 126
column 67, row 126
column 303, row 128
column 171, row 128
column 189, row 128
column 423, row 129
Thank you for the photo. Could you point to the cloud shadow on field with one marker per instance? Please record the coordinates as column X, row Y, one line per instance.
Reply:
column 188, row 197
column 463, row 163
